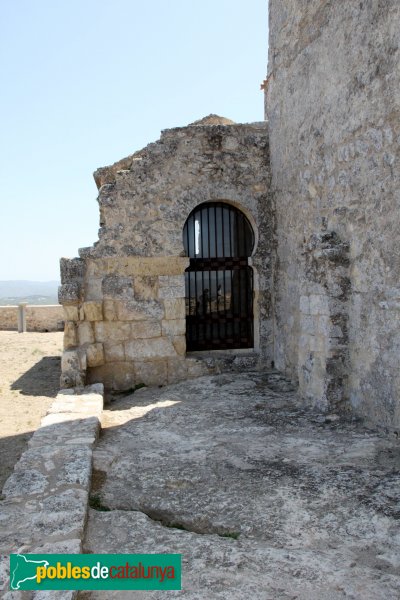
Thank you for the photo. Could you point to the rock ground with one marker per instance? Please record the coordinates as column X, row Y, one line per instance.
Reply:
column 261, row 496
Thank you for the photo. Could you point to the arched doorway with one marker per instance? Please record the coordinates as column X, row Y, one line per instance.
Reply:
column 218, row 238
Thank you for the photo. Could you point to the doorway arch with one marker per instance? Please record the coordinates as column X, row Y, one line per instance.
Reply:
column 218, row 238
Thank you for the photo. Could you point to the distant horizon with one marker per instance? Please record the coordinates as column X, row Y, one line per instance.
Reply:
column 30, row 280
column 13, row 291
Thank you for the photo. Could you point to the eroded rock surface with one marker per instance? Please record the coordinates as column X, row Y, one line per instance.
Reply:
column 263, row 497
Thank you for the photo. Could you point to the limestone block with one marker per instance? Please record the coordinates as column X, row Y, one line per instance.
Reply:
column 179, row 342
column 324, row 325
column 317, row 343
column 71, row 269
column 71, row 313
column 70, row 335
column 85, row 333
column 154, row 372
column 304, row 341
column 172, row 292
column 308, row 324
column 133, row 310
column 117, row 376
column 70, row 361
column 114, row 352
column 305, row 304
column 174, row 308
column 112, row 332
column 82, row 359
column 127, row 312
column 73, row 361
column 149, row 348
column 117, row 287
column 72, row 379
column 174, row 327
column 95, row 355
column 131, row 266
column 319, row 305
column 167, row 281
column 177, row 370
column 109, row 311
column 93, row 311
column 146, row 329
column 69, row 293
column 93, row 289
column 94, row 267
column 85, row 252
column 336, row 332
column 145, row 288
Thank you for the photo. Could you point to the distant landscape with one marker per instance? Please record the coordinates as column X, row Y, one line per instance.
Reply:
column 32, row 292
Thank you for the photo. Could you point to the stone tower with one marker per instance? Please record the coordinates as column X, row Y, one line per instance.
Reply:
column 333, row 106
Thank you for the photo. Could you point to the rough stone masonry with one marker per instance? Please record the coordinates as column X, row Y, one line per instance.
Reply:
column 333, row 108
column 319, row 182
column 124, row 298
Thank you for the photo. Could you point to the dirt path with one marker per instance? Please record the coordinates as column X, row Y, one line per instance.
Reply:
column 29, row 380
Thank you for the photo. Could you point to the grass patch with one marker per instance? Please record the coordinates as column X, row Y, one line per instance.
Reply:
column 96, row 504
column 234, row 535
column 176, row 526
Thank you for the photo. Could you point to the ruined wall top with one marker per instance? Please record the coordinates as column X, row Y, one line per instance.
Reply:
column 146, row 197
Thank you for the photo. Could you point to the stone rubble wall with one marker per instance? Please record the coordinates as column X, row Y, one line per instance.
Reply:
column 45, row 500
column 333, row 109
column 124, row 298
column 38, row 317
column 323, row 347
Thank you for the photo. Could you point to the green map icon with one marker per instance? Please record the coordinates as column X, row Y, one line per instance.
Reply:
column 23, row 569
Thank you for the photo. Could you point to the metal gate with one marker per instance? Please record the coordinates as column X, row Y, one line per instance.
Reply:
column 218, row 238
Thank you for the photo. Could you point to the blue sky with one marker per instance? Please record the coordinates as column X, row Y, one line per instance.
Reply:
column 87, row 82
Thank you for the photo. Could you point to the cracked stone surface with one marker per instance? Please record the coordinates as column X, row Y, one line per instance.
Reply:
column 263, row 497
column 44, row 504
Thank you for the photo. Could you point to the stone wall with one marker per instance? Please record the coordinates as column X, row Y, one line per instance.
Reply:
column 124, row 298
column 38, row 317
column 333, row 105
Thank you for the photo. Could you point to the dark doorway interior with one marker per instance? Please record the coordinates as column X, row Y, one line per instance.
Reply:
column 218, row 238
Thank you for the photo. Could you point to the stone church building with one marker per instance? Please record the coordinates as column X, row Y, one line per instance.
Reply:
column 275, row 244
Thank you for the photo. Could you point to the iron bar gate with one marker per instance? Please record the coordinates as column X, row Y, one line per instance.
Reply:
column 218, row 238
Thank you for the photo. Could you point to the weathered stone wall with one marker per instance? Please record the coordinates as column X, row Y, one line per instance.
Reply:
column 124, row 298
column 333, row 106
column 38, row 317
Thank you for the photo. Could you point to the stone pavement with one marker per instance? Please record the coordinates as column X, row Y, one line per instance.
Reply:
column 264, row 498
column 45, row 500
